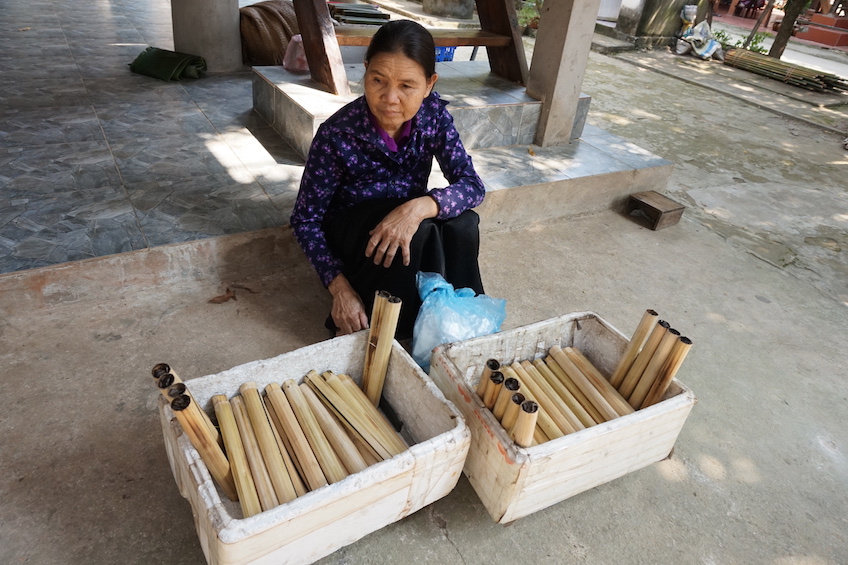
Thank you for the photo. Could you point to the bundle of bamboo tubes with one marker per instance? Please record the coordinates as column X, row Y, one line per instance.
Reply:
column 293, row 439
column 564, row 392
column 789, row 73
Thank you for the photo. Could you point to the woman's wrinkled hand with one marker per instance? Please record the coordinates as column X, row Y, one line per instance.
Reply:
column 348, row 312
column 395, row 232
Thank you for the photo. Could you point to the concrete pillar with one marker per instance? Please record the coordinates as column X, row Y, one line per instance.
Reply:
column 210, row 29
column 559, row 62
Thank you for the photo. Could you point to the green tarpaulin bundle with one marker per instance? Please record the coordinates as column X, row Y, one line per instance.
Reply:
column 168, row 65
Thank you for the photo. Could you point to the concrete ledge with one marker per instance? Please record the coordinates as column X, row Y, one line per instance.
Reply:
column 202, row 266
column 526, row 206
column 526, row 186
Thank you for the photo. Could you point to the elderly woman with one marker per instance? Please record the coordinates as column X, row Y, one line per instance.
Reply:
column 364, row 216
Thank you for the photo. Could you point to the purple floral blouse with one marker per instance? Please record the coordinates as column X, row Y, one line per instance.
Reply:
column 349, row 163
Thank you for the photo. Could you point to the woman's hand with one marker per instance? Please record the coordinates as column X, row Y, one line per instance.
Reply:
column 397, row 228
column 348, row 311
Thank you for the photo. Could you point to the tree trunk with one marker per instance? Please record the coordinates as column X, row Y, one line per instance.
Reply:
column 791, row 12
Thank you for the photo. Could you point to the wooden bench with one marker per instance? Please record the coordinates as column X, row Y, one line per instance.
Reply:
column 322, row 41
column 360, row 36
column 660, row 210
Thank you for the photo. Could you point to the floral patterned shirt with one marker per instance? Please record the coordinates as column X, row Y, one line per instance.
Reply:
column 349, row 163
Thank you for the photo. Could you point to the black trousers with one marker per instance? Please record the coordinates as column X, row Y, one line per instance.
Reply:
column 448, row 247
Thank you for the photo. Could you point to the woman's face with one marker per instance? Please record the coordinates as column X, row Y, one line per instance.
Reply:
column 395, row 86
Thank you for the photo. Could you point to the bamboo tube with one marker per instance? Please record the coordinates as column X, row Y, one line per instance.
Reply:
column 380, row 299
column 491, row 366
column 544, row 420
column 562, row 391
column 160, row 372
column 631, row 379
column 336, row 435
column 207, row 447
column 330, row 463
column 548, row 404
column 335, row 404
column 285, row 448
column 669, row 370
column 380, row 338
column 348, row 412
column 600, row 382
column 312, row 473
column 387, row 432
column 566, row 382
column 247, row 496
column 646, row 324
column 283, row 485
column 586, row 387
column 652, row 369
column 496, row 380
column 512, row 409
column 261, row 478
column 366, row 452
column 510, row 386
column 539, row 436
column 561, row 406
column 522, row 431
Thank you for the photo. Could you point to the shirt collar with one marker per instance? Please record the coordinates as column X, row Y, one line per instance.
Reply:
column 393, row 146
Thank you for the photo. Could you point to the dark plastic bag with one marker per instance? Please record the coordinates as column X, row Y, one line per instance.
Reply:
column 449, row 315
column 168, row 65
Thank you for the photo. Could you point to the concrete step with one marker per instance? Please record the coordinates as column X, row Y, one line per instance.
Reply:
column 489, row 111
column 526, row 186
column 607, row 41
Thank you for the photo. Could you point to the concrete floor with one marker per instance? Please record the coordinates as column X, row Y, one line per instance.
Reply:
column 759, row 473
column 755, row 274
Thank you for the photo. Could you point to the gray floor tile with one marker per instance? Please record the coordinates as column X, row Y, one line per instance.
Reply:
column 134, row 88
column 58, row 167
column 24, row 69
column 123, row 121
column 199, row 207
column 67, row 227
column 39, row 126
column 177, row 158
column 627, row 152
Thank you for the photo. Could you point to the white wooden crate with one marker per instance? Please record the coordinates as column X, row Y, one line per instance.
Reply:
column 331, row 517
column 512, row 481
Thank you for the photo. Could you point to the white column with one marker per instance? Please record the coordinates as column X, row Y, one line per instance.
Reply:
column 210, row 29
column 559, row 63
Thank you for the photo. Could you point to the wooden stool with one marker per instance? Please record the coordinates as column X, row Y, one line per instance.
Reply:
column 660, row 210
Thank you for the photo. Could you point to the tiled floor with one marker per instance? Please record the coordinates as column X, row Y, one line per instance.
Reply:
column 95, row 160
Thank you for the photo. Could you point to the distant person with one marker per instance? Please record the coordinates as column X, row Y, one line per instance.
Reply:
column 363, row 215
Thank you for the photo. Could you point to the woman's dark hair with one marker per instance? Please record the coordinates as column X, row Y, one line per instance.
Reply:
column 408, row 38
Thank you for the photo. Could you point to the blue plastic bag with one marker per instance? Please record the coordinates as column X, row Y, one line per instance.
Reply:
column 449, row 315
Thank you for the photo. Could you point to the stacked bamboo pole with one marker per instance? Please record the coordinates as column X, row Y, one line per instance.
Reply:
column 795, row 75
column 650, row 366
column 294, row 439
column 568, row 393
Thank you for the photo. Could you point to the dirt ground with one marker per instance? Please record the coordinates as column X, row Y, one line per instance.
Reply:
column 767, row 182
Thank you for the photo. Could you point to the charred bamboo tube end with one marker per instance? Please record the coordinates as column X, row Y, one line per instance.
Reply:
column 495, row 383
column 525, row 424
column 176, row 389
column 160, row 369
column 165, row 381
column 180, row 403
column 491, row 366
